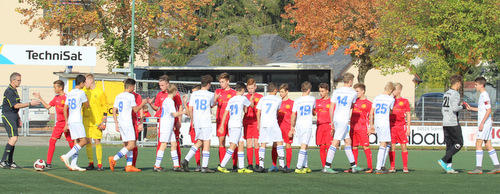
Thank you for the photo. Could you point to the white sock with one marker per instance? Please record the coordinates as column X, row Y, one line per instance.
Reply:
column 206, row 156
column 229, row 153
column 241, row 160
column 387, row 150
column 262, row 154
column 306, row 160
column 479, row 158
column 300, row 160
column 130, row 158
column 448, row 165
column 493, row 156
column 330, row 155
column 74, row 159
column 159, row 158
column 380, row 157
column 120, row 154
column 175, row 158
column 350, row 155
column 281, row 155
column 76, row 148
column 191, row 153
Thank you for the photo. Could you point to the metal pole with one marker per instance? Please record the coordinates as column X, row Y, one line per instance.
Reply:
column 132, row 41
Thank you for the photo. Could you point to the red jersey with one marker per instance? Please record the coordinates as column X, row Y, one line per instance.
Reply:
column 138, row 101
column 58, row 104
column 285, row 114
column 224, row 97
column 323, row 111
column 360, row 112
column 162, row 96
column 251, row 115
column 401, row 106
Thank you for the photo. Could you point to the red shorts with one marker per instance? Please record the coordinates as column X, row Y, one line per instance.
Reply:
column 284, row 133
column 192, row 134
column 324, row 134
column 250, row 131
column 224, row 133
column 398, row 135
column 359, row 137
column 59, row 130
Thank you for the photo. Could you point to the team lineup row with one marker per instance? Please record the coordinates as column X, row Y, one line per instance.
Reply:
column 250, row 117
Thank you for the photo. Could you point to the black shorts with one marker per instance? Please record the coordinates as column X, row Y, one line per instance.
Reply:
column 11, row 123
column 453, row 134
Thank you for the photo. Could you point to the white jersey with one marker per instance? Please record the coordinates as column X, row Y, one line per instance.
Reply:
column 202, row 102
column 483, row 105
column 235, row 106
column 167, row 119
column 343, row 98
column 304, row 106
column 124, row 103
column 383, row 105
column 269, row 106
column 74, row 100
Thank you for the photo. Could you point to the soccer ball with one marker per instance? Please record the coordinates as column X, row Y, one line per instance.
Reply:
column 39, row 165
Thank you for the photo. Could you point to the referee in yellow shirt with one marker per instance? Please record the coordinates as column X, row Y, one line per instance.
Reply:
column 94, row 116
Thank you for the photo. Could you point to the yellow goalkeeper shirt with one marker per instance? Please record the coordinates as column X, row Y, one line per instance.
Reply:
column 98, row 106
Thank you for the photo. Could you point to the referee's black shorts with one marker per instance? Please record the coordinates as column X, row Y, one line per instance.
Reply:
column 11, row 123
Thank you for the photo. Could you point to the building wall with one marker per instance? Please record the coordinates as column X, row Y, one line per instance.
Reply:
column 13, row 32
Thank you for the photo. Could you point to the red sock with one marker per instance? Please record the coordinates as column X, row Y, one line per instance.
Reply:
column 235, row 157
column 222, row 153
column 288, row 157
column 71, row 144
column 322, row 154
column 355, row 153
column 197, row 157
column 274, row 155
column 52, row 147
column 368, row 154
column 256, row 156
column 179, row 151
column 135, row 152
column 250, row 156
column 405, row 159
column 392, row 155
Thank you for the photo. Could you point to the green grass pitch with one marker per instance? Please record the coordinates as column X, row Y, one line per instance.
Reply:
column 425, row 176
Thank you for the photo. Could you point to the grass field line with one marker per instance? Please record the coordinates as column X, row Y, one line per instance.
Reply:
column 72, row 181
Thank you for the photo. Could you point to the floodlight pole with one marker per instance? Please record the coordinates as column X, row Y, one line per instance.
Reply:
column 132, row 41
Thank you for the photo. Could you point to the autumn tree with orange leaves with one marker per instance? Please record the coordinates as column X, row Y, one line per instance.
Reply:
column 332, row 25
column 108, row 23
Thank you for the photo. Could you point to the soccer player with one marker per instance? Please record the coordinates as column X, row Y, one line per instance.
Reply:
column 484, row 129
column 137, row 123
column 124, row 105
column 284, row 121
column 303, row 111
column 200, row 105
column 73, row 117
column 93, row 116
column 400, row 121
column 359, row 126
column 58, row 103
column 341, row 101
column 251, row 133
column 222, row 96
column 379, row 123
column 323, row 124
column 193, row 134
column 163, row 82
column 11, row 121
column 268, row 127
column 451, row 128
column 235, row 109
column 168, row 116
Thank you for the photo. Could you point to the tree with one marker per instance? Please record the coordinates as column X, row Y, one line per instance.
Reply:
column 108, row 23
column 451, row 36
column 329, row 25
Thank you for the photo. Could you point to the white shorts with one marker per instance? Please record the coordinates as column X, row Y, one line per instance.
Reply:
column 485, row 134
column 127, row 133
column 76, row 130
column 304, row 135
column 270, row 134
column 204, row 133
column 235, row 135
column 383, row 134
column 167, row 135
column 341, row 131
